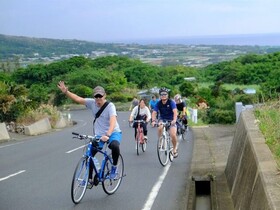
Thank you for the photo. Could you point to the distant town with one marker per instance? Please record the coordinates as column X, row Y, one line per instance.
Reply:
column 22, row 51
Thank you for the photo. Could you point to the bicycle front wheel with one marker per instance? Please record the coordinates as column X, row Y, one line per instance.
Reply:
column 162, row 151
column 80, row 180
column 111, row 185
column 184, row 132
column 144, row 145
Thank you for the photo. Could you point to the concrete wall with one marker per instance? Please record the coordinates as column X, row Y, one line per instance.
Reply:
column 4, row 135
column 42, row 126
column 251, row 171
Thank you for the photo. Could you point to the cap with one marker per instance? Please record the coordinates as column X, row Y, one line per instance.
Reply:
column 98, row 90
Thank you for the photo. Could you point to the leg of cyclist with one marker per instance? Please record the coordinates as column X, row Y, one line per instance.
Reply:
column 135, row 132
column 173, row 131
column 145, row 130
column 115, row 147
column 185, row 121
column 160, row 127
column 90, row 180
column 178, row 127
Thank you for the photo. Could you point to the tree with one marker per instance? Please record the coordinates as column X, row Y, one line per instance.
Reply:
column 187, row 89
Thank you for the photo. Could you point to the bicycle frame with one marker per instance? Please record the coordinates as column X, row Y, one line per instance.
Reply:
column 140, row 136
column 106, row 157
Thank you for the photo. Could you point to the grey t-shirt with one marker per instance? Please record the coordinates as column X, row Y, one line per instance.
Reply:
column 102, row 123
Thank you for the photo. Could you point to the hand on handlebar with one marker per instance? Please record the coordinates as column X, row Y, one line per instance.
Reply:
column 104, row 138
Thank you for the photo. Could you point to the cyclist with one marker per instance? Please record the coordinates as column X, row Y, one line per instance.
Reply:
column 141, row 112
column 152, row 103
column 167, row 112
column 106, row 126
column 182, row 109
column 134, row 103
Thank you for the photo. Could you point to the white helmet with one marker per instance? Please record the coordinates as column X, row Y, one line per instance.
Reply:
column 177, row 97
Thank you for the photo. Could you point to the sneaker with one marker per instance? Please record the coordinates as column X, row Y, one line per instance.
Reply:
column 146, row 138
column 89, row 184
column 113, row 173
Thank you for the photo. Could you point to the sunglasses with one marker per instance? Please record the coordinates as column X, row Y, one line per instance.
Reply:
column 98, row 96
column 163, row 94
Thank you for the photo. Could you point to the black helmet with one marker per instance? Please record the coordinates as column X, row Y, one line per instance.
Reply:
column 163, row 89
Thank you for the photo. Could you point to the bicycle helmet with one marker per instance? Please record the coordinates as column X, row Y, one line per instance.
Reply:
column 163, row 89
column 177, row 97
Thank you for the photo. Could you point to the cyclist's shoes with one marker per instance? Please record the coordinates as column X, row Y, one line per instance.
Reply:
column 146, row 138
column 90, row 184
column 113, row 173
column 175, row 154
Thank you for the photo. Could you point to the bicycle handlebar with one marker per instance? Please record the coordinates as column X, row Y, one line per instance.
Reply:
column 83, row 136
column 138, row 121
column 165, row 123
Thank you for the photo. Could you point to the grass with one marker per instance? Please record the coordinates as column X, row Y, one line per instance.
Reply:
column 268, row 117
column 229, row 86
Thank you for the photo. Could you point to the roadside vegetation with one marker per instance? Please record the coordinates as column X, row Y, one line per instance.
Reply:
column 30, row 93
column 268, row 116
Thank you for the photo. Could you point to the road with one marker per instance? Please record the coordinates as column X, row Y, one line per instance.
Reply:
column 36, row 172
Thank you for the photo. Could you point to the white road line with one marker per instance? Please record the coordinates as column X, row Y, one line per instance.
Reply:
column 11, row 175
column 10, row 145
column 153, row 194
column 73, row 150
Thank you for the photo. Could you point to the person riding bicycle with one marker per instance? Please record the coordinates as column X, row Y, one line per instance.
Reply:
column 134, row 102
column 182, row 109
column 141, row 112
column 167, row 112
column 152, row 103
column 105, row 127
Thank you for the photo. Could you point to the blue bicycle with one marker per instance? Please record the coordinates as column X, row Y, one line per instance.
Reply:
column 80, row 178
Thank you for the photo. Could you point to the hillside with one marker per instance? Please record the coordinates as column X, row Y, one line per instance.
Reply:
column 27, row 50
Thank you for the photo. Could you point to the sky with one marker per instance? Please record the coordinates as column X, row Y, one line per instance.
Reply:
column 120, row 20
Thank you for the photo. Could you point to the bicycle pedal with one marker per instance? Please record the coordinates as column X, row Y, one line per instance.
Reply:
column 95, row 181
column 89, row 185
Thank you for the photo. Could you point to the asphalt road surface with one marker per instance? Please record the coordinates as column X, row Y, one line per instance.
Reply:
column 36, row 172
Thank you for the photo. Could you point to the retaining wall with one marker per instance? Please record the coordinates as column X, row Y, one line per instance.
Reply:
column 4, row 135
column 251, row 171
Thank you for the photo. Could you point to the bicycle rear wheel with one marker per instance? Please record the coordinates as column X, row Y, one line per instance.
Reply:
column 162, row 151
column 80, row 180
column 111, row 185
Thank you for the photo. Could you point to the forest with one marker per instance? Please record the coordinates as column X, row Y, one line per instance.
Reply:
column 30, row 87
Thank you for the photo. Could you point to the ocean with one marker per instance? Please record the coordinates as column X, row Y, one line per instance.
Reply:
column 249, row 39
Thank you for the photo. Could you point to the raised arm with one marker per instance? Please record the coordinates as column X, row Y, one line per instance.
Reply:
column 64, row 89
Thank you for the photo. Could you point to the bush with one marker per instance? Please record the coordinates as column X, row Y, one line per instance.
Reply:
column 221, row 116
column 118, row 97
column 41, row 112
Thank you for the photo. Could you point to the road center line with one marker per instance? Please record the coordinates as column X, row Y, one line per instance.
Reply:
column 73, row 150
column 11, row 175
column 154, row 192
